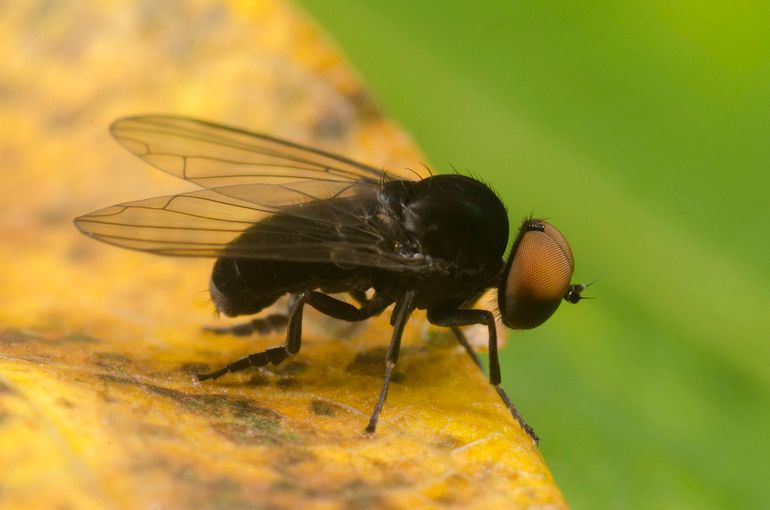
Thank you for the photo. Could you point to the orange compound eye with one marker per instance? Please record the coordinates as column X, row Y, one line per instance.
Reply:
column 537, row 275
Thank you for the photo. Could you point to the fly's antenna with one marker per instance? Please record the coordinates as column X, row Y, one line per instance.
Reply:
column 574, row 293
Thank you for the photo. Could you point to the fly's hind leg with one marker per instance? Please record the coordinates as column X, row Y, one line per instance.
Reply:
column 274, row 355
column 277, row 321
column 259, row 325
column 321, row 302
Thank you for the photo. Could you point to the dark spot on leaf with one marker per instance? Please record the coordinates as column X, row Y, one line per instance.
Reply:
column 154, row 430
column 331, row 125
column 110, row 358
column 258, row 380
column 290, row 368
column 254, row 414
column 116, row 379
column 364, row 502
column 286, row 383
column 79, row 338
column 372, row 363
column 448, row 442
column 222, row 494
column 4, row 388
column 165, row 392
column 53, row 216
column 249, row 423
column 212, row 405
column 365, row 105
column 286, row 484
column 366, row 362
column 80, row 253
column 360, row 496
column 15, row 336
column 242, row 433
column 294, row 455
column 440, row 338
column 61, row 121
column 208, row 404
column 65, row 403
column 194, row 368
column 116, row 364
column 322, row 408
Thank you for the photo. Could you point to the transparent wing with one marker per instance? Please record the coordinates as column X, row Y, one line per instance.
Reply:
column 311, row 221
column 212, row 155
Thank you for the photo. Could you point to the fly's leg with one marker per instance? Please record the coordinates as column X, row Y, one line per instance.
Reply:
column 456, row 318
column 360, row 297
column 278, row 321
column 321, row 302
column 260, row 325
column 463, row 340
column 274, row 355
column 341, row 310
column 401, row 312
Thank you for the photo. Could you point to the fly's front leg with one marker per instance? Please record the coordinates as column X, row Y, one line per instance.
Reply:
column 456, row 318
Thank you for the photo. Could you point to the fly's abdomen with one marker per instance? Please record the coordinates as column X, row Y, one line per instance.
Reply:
column 233, row 295
column 240, row 286
column 286, row 251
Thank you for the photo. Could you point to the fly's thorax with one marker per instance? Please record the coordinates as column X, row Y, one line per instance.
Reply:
column 453, row 218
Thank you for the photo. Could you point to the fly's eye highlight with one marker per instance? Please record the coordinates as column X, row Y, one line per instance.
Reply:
column 537, row 277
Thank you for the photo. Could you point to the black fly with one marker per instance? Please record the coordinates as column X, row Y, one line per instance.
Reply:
column 282, row 218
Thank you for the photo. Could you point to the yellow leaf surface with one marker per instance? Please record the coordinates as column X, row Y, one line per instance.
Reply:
column 98, row 406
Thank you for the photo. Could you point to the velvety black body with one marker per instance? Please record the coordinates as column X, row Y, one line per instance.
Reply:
column 454, row 223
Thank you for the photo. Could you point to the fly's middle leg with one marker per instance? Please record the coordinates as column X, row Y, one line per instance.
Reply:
column 274, row 355
column 401, row 313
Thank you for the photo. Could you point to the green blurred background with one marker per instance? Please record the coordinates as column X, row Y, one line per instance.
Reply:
column 641, row 129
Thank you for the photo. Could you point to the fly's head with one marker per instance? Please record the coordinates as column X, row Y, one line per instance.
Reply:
column 537, row 276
